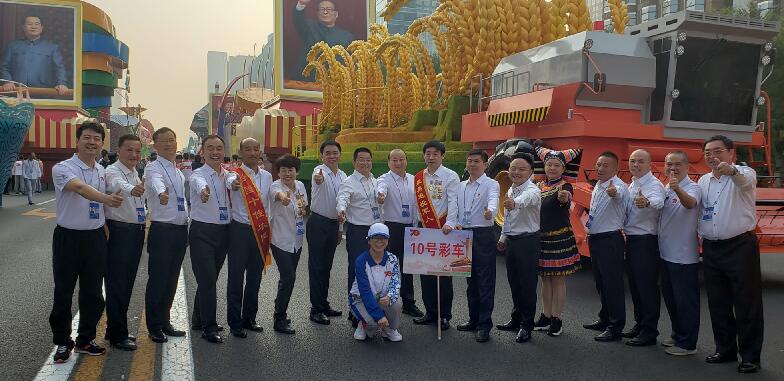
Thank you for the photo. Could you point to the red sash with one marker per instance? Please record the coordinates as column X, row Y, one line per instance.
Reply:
column 427, row 213
column 259, row 221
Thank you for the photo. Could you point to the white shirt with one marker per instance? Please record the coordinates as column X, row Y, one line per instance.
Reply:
column 607, row 213
column 120, row 178
column 733, row 202
column 641, row 221
column 17, row 169
column 525, row 216
column 443, row 187
column 159, row 176
column 39, row 169
column 678, row 241
column 325, row 195
column 216, row 210
column 74, row 211
column 263, row 181
column 187, row 169
column 357, row 197
column 29, row 169
column 288, row 224
column 472, row 199
column 398, row 191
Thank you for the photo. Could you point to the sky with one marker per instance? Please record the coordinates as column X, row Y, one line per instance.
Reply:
column 168, row 42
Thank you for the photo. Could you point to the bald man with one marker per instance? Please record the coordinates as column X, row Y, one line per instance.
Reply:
column 646, row 199
column 246, row 260
column 396, row 196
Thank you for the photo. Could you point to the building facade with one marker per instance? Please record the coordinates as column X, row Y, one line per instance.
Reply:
column 413, row 10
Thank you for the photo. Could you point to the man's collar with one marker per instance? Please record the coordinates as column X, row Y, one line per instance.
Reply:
column 249, row 169
column 80, row 163
column 645, row 178
column 125, row 169
column 164, row 161
column 436, row 172
column 479, row 180
column 396, row 176
column 360, row 176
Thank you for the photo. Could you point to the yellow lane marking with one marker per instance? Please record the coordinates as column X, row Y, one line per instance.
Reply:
column 143, row 365
column 91, row 367
column 38, row 213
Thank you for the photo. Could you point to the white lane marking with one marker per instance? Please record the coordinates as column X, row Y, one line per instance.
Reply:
column 61, row 372
column 45, row 202
column 177, row 356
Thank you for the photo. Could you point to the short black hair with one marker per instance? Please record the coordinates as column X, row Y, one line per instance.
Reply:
column 226, row 159
column 610, row 154
column 334, row 3
column 478, row 152
column 162, row 131
column 728, row 144
column 178, row 156
column 437, row 144
column 328, row 143
column 208, row 137
column 92, row 126
column 362, row 149
column 104, row 152
column 235, row 157
column 288, row 161
column 197, row 158
column 525, row 156
column 27, row 16
column 126, row 138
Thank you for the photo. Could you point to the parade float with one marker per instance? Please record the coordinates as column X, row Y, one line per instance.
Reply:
column 536, row 72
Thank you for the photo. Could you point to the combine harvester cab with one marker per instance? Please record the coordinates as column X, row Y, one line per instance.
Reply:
column 665, row 85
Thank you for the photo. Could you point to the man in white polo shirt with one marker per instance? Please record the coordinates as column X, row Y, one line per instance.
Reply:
column 680, row 257
column 731, row 256
column 79, row 239
column 126, row 239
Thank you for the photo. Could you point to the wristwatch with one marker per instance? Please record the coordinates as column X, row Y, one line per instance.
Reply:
column 737, row 172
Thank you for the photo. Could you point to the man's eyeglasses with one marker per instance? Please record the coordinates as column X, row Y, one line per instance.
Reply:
column 326, row 10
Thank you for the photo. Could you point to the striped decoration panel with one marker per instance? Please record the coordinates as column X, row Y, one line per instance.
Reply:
column 521, row 116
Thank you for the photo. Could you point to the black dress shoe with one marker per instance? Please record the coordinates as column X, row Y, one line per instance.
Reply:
column 632, row 333
column 444, row 324
column 510, row 326
column 748, row 367
column 482, row 335
column 523, row 336
column 319, row 318
column 596, row 326
column 169, row 330
column 132, row 338
column 718, row 358
column 126, row 345
column 640, row 341
column 466, row 327
column 253, row 326
column 425, row 319
column 239, row 332
column 333, row 313
column 413, row 310
column 212, row 337
column 608, row 336
column 220, row 328
column 283, row 326
column 158, row 336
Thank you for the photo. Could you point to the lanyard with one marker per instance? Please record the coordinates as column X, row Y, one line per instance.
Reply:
column 217, row 194
column 330, row 175
column 176, row 194
column 92, row 177
column 403, row 201
column 371, row 200
column 465, row 208
column 135, row 199
column 720, row 192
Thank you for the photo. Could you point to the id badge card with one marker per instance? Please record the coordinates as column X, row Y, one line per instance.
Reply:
column 406, row 212
column 95, row 212
column 376, row 213
column 140, row 215
column 224, row 213
column 180, row 204
column 466, row 218
column 707, row 213
column 589, row 222
column 300, row 227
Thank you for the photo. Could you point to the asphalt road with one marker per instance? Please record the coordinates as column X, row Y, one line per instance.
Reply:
column 330, row 352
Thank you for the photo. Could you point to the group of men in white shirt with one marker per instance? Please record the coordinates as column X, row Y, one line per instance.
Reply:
column 651, row 232
column 26, row 176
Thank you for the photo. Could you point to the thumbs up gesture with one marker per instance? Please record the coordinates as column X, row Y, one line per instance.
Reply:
column 164, row 197
column 319, row 177
column 235, row 185
column 611, row 190
column 564, row 196
column 674, row 183
column 380, row 198
column 726, row 169
column 205, row 194
column 488, row 214
column 284, row 198
column 342, row 216
column 641, row 201
column 138, row 190
column 509, row 203
column 114, row 200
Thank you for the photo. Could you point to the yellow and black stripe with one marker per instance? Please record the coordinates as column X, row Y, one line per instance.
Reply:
column 522, row 116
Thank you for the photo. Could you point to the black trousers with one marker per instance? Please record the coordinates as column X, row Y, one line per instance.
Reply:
column 396, row 239
column 680, row 286
column 209, row 245
column 322, row 236
column 642, row 268
column 481, row 284
column 522, row 271
column 356, row 244
column 166, row 245
column 77, row 255
column 607, row 261
column 287, row 266
column 245, row 268
column 126, row 242
column 733, row 282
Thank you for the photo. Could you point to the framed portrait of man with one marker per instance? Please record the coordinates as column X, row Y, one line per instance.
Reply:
column 300, row 24
column 41, row 50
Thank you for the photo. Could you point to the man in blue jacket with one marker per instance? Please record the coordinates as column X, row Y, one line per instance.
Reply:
column 33, row 61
